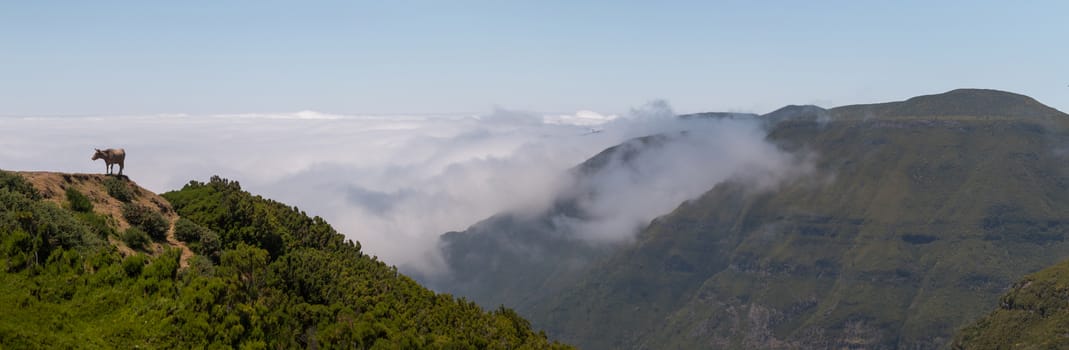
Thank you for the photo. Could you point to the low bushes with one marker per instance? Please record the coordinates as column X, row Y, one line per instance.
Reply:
column 200, row 239
column 135, row 238
column 148, row 220
column 78, row 201
column 118, row 189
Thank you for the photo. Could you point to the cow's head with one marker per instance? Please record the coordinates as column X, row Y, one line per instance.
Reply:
column 98, row 154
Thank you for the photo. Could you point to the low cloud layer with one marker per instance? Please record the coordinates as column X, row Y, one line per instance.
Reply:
column 646, row 178
column 395, row 183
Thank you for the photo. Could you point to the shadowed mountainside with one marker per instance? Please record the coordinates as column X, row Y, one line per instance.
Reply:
column 923, row 212
column 523, row 255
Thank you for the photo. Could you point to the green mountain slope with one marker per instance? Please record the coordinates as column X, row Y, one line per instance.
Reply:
column 1032, row 315
column 923, row 212
column 512, row 259
column 80, row 268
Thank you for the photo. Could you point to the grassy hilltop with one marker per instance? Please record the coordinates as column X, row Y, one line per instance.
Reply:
column 88, row 261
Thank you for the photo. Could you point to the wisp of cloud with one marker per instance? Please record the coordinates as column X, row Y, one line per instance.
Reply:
column 395, row 183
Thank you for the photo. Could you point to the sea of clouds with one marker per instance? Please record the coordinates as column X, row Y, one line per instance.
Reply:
column 395, row 183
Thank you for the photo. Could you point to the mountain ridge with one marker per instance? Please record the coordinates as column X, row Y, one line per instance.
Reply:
column 871, row 259
column 954, row 103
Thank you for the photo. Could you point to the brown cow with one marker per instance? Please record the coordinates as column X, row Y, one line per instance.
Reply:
column 112, row 156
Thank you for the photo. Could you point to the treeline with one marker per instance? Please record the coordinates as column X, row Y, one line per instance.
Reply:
column 265, row 276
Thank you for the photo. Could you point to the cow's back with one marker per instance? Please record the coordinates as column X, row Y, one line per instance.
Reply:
column 116, row 154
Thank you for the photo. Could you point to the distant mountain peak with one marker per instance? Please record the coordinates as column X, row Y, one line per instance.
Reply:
column 797, row 113
column 954, row 103
column 719, row 115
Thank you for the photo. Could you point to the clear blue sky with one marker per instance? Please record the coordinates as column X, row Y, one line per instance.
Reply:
column 135, row 57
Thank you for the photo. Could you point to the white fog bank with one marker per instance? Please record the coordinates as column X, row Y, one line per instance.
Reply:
column 395, row 183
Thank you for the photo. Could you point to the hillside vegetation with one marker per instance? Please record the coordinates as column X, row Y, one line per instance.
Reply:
column 1032, row 315
column 922, row 212
column 88, row 261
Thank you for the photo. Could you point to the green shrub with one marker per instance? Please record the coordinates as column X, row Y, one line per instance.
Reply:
column 148, row 220
column 135, row 238
column 209, row 244
column 165, row 266
column 79, row 202
column 18, row 247
column 133, row 265
column 188, row 231
column 200, row 239
column 118, row 189
column 47, row 223
column 16, row 183
column 97, row 224
column 103, row 258
column 200, row 265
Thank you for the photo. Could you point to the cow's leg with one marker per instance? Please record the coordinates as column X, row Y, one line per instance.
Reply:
column 121, row 166
column 107, row 168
